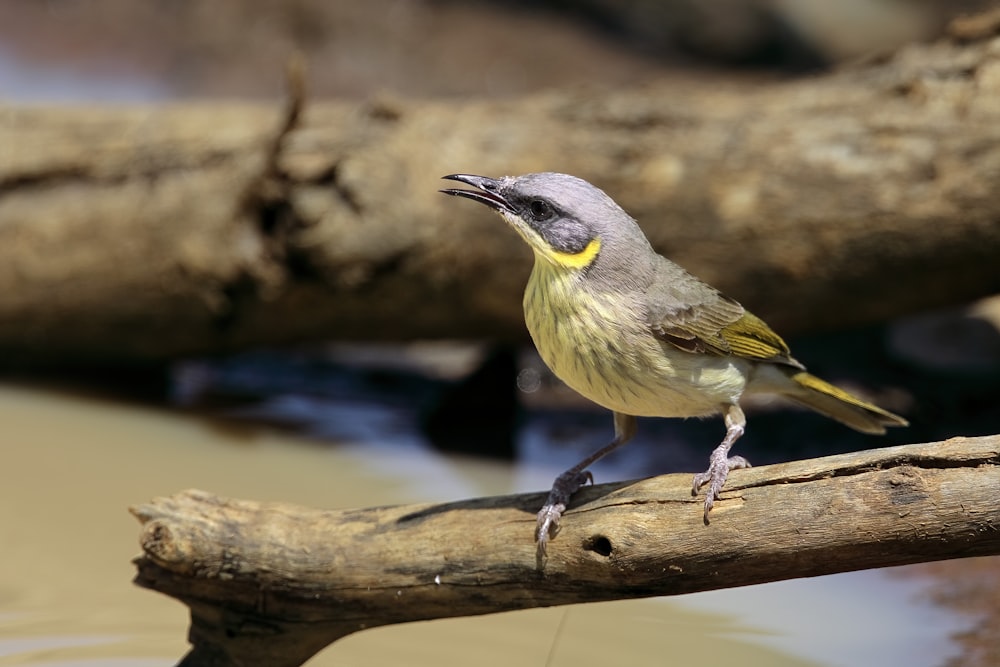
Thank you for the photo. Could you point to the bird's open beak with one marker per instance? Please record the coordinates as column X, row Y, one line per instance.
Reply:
column 488, row 192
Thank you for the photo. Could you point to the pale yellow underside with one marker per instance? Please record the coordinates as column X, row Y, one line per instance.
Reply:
column 602, row 347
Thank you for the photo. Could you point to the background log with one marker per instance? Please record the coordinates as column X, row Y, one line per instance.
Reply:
column 271, row 584
column 147, row 233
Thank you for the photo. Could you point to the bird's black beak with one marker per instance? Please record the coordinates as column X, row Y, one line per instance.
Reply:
column 488, row 193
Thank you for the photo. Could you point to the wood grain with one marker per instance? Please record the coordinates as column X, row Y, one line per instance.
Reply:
column 271, row 583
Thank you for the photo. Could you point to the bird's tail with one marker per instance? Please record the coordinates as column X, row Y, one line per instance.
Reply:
column 836, row 403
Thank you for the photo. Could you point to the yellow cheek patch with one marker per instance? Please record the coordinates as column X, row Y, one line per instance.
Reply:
column 568, row 260
column 578, row 260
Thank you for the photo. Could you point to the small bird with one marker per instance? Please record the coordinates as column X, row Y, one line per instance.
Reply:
column 637, row 334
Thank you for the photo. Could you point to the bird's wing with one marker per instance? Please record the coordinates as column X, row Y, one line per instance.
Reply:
column 697, row 318
column 750, row 337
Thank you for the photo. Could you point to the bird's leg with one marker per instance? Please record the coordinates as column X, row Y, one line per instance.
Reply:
column 720, row 463
column 567, row 483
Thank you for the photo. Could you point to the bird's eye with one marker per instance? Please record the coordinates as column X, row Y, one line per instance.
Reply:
column 540, row 209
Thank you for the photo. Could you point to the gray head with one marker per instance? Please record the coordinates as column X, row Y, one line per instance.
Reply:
column 566, row 220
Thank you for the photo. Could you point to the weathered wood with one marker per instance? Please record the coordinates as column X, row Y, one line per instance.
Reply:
column 271, row 583
column 145, row 233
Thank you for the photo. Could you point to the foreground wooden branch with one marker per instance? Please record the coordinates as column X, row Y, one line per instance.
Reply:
column 148, row 233
column 271, row 584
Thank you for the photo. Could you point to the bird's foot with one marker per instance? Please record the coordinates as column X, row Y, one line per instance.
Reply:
column 719, row 466
column 565, row 486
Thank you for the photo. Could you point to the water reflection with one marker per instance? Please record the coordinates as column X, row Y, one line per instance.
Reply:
column 844, row 620
column 72, row 465
column 971, row 588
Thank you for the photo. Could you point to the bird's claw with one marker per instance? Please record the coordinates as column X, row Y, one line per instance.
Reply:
column 715, row 477
column 549, row 516
column 548, row 525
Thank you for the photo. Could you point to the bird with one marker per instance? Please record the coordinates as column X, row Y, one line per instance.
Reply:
column 640, row 336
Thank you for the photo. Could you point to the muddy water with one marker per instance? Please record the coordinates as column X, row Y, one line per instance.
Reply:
column 70, row 467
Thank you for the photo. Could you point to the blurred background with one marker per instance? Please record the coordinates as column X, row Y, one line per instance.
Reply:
column 115, row 50
column 351, row 424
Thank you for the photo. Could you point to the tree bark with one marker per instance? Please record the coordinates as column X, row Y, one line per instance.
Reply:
column 147, row 233
column 271, row 584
